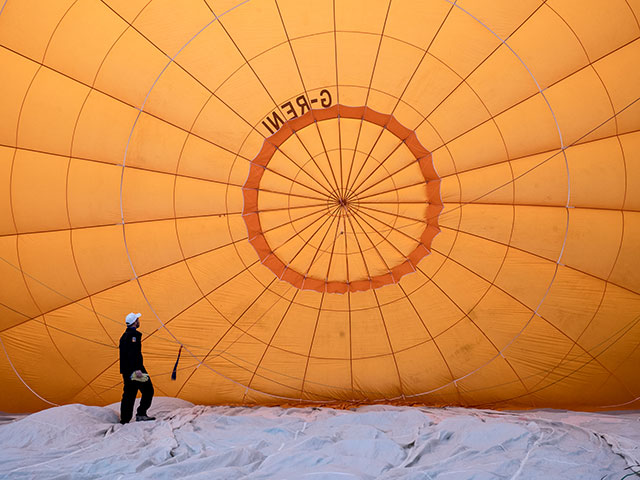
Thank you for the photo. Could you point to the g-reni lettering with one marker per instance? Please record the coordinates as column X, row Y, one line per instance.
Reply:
column 295, row 108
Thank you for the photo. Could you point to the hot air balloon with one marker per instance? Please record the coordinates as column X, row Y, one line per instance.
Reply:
column 326, row 202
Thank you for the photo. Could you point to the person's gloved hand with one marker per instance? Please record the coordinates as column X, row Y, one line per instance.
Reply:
column 139, row 376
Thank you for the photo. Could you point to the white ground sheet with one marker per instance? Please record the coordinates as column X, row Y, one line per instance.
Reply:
column 374, row 442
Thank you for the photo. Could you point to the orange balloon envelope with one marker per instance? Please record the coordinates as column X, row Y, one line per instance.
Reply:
column 337, row 201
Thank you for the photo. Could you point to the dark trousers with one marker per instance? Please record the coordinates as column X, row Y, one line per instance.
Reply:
column 129, row 393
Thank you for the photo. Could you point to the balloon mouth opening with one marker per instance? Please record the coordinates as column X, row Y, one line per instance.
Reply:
column 348, row 209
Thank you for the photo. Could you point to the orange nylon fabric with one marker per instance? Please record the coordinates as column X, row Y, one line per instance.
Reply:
column 332, row 201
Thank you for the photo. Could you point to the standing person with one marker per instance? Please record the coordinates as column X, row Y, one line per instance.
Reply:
column 134, row 374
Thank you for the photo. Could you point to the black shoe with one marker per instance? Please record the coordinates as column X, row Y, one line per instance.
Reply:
column 123, row 422
column 144, row 418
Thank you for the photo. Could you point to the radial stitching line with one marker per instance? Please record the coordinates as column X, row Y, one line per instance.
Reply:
column 13, row 310
column 306, row 243
column 333, row 246
column 293, row 55
column 367, row 156
column 300, row 168
column 355, row 188
column 355, row 236
column 387, row 237
column 541, row 257
column 286, row 193
column 311, row 342
column 524, row 157
column 135, row 222
column 313, row 159
column 424, row 55
column 315, row 255
column 373, row 71
column 133, row 167
column 245, row 331
column 531, row 205
column 375, row 62
column 297, row 234
column 386, row 266
column 395, row 361
column 633, row 13
column 432, row 338
column 271, row 229
column 539, row 164
column 125, row 103
column 393, row 353
column 350, row 335
column 346, row 252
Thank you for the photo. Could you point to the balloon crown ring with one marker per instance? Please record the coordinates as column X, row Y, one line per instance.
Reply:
column 344, row 203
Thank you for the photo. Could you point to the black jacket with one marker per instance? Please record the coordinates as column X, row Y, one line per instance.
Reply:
column 131, row 352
